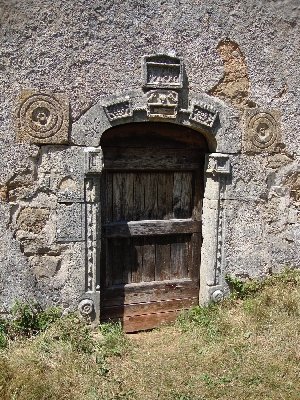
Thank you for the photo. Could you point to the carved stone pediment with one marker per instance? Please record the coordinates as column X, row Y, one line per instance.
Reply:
column 162, row 71
column 162, row 103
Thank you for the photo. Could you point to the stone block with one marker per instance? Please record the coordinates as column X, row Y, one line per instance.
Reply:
column 43, row 118
column 70, row 222
column 66, row 167
column 246, row 250
column 45, row 266
column 32, row 220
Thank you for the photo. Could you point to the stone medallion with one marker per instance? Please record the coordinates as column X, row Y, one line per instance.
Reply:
column 43, row 118
column 262, row 131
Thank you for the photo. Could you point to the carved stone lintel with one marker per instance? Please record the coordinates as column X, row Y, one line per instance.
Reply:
column 262, row 131
column 203, row 114
column 121, row 109
column 43, row 118
column 218, row 164
column 162, row 104
column 162, row 71
column 93, row 160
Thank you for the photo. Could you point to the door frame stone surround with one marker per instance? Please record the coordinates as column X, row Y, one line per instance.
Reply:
column 134, row 107
column 164, row 96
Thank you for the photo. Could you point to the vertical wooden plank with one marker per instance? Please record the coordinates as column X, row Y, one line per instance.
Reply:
column 148, row 260
column 108, row 263
column 127, row 260
column 117, row 196
column 162, row 266
column 150, row 195
column 128, row 200
column 186, row 194
column 138, row 197
column 198, row 196
column 137, row 266
column 182, row 194
column 117, row 261
column 195, row 254
column 165, row 195
column 178, row 267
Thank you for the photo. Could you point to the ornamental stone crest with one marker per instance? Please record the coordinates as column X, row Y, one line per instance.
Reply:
column 118, row 110
column 218, row 164
column 162, row 103
column 162, row 71
column 43, row 118
column 203, row 114
column 262, row 131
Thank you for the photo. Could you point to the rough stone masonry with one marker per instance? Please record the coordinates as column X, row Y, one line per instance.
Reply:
column 70, row 70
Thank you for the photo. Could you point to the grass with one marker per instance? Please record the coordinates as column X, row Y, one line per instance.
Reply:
column 248, row 347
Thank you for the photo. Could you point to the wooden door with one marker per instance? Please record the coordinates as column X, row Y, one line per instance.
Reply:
column 152, row 188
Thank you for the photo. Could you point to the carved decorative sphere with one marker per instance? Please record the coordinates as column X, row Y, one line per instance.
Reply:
column 217, row 296
column 86, row 307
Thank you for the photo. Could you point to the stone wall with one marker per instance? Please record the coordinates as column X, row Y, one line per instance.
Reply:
column 64, row 65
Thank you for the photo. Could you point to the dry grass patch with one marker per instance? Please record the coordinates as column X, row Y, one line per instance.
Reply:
column 241, row 349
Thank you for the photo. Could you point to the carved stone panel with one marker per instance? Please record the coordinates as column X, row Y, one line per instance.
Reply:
column 162, row 104
column 218, row 163
column 43, row 118
column 203, row 114
column 118, row 110
column 162, row 71
column 92, row 232
column 262, row 131
column 66, row 169
column 70, row 222
column 93, row 160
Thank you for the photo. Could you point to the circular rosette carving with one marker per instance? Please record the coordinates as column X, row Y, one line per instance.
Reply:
column 217, row 296
column 41, row 116
column 86, row 307
column 263, row 130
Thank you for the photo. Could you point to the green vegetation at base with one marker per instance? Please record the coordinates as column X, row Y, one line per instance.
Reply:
column 248, row 346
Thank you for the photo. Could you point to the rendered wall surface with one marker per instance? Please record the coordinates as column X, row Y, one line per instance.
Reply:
column 64, row 65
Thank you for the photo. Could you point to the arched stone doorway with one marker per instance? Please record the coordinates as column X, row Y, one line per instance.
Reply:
column 152, row 188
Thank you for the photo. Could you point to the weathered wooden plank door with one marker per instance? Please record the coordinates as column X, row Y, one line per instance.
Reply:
column 152, row 188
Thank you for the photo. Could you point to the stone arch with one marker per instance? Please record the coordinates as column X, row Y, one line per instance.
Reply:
column 217, row 122
column 212, row 119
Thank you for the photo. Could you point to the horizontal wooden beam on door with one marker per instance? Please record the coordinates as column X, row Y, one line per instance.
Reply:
column 150, row 291
column 143, row 308
column 152, row 159
column 151, row 227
